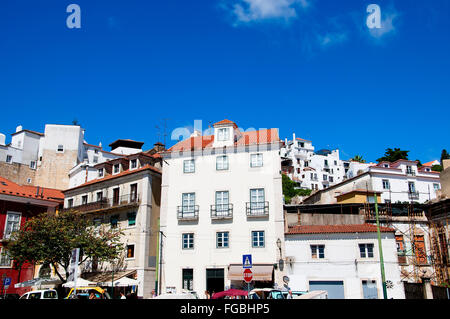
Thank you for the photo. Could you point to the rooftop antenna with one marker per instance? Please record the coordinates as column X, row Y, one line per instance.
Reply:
column 165, row 130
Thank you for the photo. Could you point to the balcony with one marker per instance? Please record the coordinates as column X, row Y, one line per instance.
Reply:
column 413, row 195
column 257, row 209
column 410, row 173
column 402, row 260
column 107, row 203
column 187, row 213
column 224, row 211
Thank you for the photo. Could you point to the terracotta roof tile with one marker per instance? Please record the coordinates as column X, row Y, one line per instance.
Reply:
column 336, row 229
column 10, row 188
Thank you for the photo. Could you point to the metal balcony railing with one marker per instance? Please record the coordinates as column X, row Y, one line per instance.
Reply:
column 222, row 211
column 105, row 203
column 411, row 173
column 413, row 195
column 257, row 209
column 187, row 212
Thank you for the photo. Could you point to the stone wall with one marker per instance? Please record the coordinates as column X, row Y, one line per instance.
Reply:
column 18, row 173
column 53, row 172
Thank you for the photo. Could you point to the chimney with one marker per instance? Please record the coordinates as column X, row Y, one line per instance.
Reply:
column 19, row 128
column 37, row 191
column 293, row 136
column 159, row 147
column 2, row 139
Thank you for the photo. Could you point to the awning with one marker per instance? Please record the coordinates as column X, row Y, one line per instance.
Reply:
column 35, row 282
column 260, row 272
column 122, row 282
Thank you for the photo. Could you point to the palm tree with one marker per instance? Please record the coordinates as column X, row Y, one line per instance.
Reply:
column 358, row 158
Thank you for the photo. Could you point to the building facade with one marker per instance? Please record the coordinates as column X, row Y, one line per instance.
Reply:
column 125, row 196
column 221, row 199
column 311, row 169
column 17, row 205
column 343, row 260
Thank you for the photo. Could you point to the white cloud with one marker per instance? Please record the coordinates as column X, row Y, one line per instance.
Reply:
column 256, row 10
column 387, row 25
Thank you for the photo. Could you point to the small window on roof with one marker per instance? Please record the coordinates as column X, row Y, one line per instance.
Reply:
column 133, row 163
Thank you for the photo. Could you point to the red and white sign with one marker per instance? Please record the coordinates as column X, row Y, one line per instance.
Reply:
column 248, row 275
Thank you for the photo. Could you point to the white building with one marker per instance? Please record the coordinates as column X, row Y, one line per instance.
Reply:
column 125, row 195
column 400, row 181
column 344, row 260
column 311, row 169
column 221, row 199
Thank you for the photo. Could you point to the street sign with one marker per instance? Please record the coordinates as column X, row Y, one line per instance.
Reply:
column 6, row 281
column 248, row 275
column 246, row 261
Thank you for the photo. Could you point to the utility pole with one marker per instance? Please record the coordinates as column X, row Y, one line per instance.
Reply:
column 380, row 249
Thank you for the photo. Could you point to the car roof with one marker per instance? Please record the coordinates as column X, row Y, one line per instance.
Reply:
column 41, row 290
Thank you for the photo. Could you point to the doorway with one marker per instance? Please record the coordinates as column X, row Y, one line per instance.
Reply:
column 215, row 280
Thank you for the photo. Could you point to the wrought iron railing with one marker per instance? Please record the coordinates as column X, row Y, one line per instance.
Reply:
column 187, row 212
column 257, row 209
column 104, row 203
column 222, row 211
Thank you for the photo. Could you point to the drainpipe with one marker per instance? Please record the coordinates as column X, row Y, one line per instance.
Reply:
column 380, row 248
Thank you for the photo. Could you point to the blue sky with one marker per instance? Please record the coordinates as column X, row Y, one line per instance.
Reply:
column 306, row 66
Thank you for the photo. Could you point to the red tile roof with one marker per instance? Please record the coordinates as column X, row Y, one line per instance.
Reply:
column 225, row 122
column 248, row 138
column 336, row 229
column 10, row 188
column 109, row 177
column 429, row 164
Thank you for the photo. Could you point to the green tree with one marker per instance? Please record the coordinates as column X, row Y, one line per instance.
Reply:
column 50, row 239
column 392, row 155
column 289, row 190
column 444, row 155
column 437, row 168
column 358, row 158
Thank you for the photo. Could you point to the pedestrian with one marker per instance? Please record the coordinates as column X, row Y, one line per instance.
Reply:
column 289, row 296
column 122, row 296
column 207, row 294
column 153, row 293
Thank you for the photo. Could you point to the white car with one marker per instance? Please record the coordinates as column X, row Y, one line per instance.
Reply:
column 40, row 294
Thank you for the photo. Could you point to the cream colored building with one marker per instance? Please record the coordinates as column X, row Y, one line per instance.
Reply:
column 126, row 196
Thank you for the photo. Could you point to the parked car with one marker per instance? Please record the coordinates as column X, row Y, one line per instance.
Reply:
column 177, row 296
column 85, row 293
column 265, row 293
column 294, row 293
column 10, row 296
column 40, row 294
column 316, row 294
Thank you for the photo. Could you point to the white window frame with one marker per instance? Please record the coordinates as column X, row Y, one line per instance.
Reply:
column 222, row 202
column 100, row 173
column 223, row 239
column 189, row 166
column 259, row 239
column 58, row 148
column 366, row 251
column 3, row 257
column 131, row 164
column 222, row 163
column 33, row 164
column 134, row 251
column 189, row 237
column 7, row 235
column 189, row 199
column 256, row 160
column 9, row 159
column 223, row 134
column 114, row 169
column 388, row 184
column 316, row 248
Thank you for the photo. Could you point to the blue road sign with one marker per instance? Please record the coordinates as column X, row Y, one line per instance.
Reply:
column 6, row 281
column 246, row 261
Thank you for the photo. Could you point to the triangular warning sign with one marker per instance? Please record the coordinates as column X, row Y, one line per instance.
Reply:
column 247, row 262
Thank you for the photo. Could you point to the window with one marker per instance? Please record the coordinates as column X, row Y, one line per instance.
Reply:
column 130, row 251
column 131, row 219
column 114, row 220
column 317, row 251
column 257, row 200
column 326, row 162
column 29, row 180
column 100, row 172
column 436, row 187
column 84, row 200
column 222, row 202
column 12, row 224
column 60, row 148
column 96, row 151
column 33, row 164
column 409, row 170
column 50, row 294
column 419, row 249
column 70, row 203
column 306, row 163
column 331, row 179
column 411, row 187
column 188, row 279
column 366, row 250
column 133, row 163
column 189, row 166
column 5, row 261
column 325, row 177
column 188, row 204
column 335, row 162
column 133, row 193
column 188, row 241
column 256, row 160
column 257, row 239
column 223, row 134
column 116, row 168
column 386, row 184
column 95, row 159
column 222, row 240
column 8, row 159
column 222, row 163
column 99, row 196
column 400, row 243
column 370, row 290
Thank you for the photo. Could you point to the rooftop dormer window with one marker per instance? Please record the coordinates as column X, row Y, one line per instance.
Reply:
column 386, row 165
column 133, row 164
column 223, row 134
column 116, row 168
column 100, row 172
